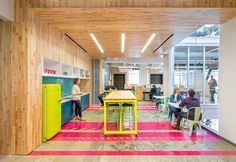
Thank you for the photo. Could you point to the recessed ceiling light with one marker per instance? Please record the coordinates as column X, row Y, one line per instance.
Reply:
column 96, row 42
column 148, row 42
column 122, row 42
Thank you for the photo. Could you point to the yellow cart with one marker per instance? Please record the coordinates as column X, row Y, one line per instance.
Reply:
column 121, row 98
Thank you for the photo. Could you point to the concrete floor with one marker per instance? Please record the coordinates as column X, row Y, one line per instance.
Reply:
column 162, row 144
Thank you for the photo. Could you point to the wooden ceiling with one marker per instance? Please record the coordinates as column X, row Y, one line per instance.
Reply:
column 131, row 3
column 137, row 23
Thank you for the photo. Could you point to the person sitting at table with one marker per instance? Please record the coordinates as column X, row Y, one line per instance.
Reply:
column 188, row 102
column 107, row 89
column 152, row 92
column 174, row 98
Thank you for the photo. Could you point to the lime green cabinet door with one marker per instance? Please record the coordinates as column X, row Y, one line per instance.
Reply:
column 51, row 110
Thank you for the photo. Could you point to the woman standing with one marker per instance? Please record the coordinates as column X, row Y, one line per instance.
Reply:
column 76, row 99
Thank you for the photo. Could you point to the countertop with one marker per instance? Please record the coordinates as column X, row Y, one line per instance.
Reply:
column 68, row 98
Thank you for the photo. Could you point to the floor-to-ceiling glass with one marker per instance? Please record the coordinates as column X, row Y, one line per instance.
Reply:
column 196, row 67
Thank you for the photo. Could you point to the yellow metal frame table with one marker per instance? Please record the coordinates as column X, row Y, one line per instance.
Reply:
column 121, row 97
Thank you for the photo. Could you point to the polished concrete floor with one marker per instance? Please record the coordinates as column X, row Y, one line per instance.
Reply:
column 157, row 141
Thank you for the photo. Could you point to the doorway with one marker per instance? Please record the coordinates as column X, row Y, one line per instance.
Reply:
column 119, row 81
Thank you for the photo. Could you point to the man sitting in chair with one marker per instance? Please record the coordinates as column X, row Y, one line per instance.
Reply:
column 188, row 102
column 107, row 89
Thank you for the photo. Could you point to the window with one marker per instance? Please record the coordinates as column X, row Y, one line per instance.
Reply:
column 196, row 59
column 133, row 77
column 156, row 79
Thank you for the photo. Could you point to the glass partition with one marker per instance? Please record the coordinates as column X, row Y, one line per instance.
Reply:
column 196, row 64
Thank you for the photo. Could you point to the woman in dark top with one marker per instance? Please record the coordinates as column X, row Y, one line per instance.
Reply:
column 175, row 97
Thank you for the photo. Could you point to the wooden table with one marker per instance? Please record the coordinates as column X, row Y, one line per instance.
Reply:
column 121, row 97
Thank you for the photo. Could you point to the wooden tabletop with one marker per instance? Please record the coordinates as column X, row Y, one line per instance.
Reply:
column 120, row 95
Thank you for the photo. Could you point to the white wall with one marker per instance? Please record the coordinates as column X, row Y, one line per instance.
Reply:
column 7, row 10
column 227, row 80
column 143, row 74
column 166, row 76
column 171, row 68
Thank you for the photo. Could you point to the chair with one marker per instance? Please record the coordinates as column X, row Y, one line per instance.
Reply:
column 164, row 105
column 197, row 119
column 170, row 113
column 158, row 101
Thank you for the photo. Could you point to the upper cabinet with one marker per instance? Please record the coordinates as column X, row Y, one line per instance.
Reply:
column 56, row 69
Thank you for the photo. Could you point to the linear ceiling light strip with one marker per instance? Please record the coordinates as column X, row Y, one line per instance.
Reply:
column 122, row 42
column 97, row 43
column 148, row 42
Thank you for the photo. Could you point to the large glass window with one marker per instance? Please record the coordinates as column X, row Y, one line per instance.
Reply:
column 196, row 64
column 196, row 61
column 181, row 67
column 133, row 77
column 196, row 72
column 211, row 71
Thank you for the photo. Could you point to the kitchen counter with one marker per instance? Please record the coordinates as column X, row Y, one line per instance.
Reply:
column 67, row 112
column 68, row 98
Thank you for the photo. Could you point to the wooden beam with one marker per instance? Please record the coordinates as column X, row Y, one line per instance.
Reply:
column 133, row 3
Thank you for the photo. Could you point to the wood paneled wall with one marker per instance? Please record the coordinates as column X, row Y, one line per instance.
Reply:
column 56, row 46
column 5, row 86
column 24, row 43
column 132, row 3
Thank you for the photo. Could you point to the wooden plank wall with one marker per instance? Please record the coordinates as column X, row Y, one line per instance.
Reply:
column 133, row 3
column 56, row 46
column 5, row 86
column 24, row 44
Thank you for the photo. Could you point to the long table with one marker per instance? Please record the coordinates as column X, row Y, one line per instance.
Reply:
column 121, row 97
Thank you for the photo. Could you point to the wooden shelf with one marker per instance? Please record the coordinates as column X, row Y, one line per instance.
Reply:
column 76, row 71
column 56, row 69
column 66, row 70
column 51, row 67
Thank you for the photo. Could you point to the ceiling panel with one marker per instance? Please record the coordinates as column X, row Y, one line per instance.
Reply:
column 137, row 23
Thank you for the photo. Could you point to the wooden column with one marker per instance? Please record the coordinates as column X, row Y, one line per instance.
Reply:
column 5, row 86
column 20, row 73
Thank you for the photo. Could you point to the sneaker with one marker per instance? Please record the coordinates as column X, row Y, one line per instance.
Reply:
column 176, row 127
column 82, row 119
